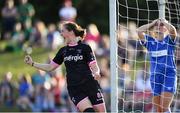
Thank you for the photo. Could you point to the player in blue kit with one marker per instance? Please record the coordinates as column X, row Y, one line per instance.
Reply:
column 160, row 44
column 82, row 69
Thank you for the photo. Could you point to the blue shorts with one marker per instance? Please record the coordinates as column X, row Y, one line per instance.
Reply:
column 163, row 82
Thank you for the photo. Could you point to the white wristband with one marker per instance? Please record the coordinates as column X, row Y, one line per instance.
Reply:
column 97, row 73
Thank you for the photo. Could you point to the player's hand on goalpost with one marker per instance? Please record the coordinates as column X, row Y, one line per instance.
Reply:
column 155, row 21
column 28, row 60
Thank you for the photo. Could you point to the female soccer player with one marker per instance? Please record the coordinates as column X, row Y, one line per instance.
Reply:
column 161, row 47
column 82, row 69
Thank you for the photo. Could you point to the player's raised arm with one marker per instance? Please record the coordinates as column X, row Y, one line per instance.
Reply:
column 170, row 27
column 45, row 67
column 142, row 29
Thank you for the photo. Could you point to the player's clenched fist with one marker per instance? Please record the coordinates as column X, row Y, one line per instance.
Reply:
column 97, row 76
column 28, row 60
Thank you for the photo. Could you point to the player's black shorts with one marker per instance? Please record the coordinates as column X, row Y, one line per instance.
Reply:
column 90, row 89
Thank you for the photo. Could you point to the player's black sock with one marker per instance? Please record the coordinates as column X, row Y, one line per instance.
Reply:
column 88, row 110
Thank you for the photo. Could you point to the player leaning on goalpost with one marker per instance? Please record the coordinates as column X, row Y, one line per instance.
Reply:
column 161, row 47
column 82, row 69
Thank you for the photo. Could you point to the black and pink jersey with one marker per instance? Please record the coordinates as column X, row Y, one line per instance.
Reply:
column 76, row 59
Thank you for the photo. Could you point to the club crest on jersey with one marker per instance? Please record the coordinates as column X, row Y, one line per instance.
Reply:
column 152, row 43
column 73, row 58
column 79, row 51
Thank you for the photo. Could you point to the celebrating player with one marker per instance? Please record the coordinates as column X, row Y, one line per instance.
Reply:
column 82, row 69
column 161, row 47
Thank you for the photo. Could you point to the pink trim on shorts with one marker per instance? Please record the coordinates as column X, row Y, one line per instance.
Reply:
column 92, row 62
column 79, row 102
column 54, row 64
column 99, row 104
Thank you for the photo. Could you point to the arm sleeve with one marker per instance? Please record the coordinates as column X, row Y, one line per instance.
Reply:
column 59, row 58
column 89, row 55
column 147, row 42
column 144, row 43
column 170, row 40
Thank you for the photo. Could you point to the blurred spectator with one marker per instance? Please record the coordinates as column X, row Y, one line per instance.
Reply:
column 43, row 97
column 136, row 48
column 143, row 79
column 123, row 52
column 39, row 35
column 143, row 89
column 9, row 15
column 38, row 80
column 93, row 36
column 24, row 90
column 26, row 11
column 177, row 56
column 125, row 84
column 58, row 82
column 132, row 30
column 28, row 29
column 17, row 41
column 18, row 36
column 105, row 79
column 53, row 37
column 6, row 90
column 104, row 66
column 122, row 49
column 67, row 12
column 104, row 47
column 176, row 100
column 50, row 35
column 48, row 102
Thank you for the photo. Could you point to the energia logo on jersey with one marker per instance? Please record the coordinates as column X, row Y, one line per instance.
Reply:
column 73, row 58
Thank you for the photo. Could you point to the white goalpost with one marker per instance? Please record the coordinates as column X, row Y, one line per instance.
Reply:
column 162, row 4
column 129, row 61
column 113, row 56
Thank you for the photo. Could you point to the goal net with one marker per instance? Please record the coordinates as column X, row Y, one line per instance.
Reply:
column 133, row 88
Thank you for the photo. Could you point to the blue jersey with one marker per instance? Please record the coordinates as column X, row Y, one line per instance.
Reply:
column 161, row 53
column 163, row 69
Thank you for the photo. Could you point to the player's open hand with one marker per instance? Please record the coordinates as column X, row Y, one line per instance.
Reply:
column 155, row 21
column 28, row 60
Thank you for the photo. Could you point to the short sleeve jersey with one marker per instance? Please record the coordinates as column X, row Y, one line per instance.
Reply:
column 161, row 53
column 76, row 60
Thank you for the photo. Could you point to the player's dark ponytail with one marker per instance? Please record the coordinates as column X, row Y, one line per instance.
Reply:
column 78, row 31
column 81, row 33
